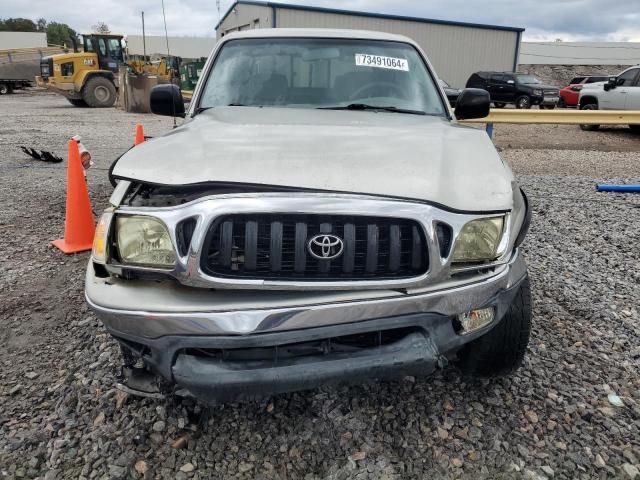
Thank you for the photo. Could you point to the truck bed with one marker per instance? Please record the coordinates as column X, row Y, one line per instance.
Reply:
column 24, row 64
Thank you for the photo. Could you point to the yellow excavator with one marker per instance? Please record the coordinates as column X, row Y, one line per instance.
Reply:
column 90, row 78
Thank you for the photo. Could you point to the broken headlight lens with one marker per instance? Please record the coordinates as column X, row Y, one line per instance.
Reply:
column 144, row 241
column 479, row 240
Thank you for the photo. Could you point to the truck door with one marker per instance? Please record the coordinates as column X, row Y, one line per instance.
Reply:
column 633, row 94
column 616, row 98
column 509, row 89
column 496, row 86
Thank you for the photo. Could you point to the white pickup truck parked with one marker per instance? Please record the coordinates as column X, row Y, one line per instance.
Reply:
column 618, row 93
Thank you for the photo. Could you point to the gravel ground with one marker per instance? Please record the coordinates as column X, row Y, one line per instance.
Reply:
column 566, row 137
column 571, row 412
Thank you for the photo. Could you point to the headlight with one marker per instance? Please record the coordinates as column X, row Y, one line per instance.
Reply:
column 479, row 240
column 144, row 241
column 99, row 251
column 537, row 92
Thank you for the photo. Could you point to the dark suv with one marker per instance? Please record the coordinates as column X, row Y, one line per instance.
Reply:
column 521, row 89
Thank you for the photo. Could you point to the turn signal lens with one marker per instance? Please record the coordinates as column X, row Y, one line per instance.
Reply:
column 99, row 250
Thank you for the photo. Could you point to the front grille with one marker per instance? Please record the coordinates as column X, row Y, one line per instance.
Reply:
column 276, row 246
column 551, row 92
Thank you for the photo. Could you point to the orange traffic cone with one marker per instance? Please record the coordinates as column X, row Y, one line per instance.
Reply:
column 139, row 134
column 79, row 225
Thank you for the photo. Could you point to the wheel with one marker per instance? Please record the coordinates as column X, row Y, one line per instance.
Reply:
column 499, row 104
column 562, row 103
column 4, row 89
column 523, row 102
column 99, row 92
column 635, row 128
column 77, row 102
column 589, row 128
column 502, row 349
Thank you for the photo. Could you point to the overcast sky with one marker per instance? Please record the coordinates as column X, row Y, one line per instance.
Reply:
column 577, row 20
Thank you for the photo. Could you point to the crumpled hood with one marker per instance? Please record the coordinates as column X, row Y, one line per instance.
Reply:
column 379, row 153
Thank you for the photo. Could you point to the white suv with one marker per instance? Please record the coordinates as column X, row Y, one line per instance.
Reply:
column 618, row 93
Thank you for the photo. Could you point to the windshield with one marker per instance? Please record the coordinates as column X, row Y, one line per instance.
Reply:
column 321, row 73
column 527, row 79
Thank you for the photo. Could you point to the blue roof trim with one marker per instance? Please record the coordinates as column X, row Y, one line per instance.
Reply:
column 365, row 14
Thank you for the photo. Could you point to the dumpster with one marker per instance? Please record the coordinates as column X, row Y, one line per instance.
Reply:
column 190, row 73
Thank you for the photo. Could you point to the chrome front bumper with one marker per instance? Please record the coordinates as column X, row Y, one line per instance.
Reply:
column 148, row 310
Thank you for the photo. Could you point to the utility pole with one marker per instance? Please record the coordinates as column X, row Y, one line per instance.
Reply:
column 144, row 42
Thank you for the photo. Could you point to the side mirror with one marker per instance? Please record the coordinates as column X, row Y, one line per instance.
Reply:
column 167, row 100
column 611, row 83
column 472, row 103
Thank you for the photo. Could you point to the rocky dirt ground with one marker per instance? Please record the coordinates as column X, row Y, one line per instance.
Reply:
column 571, row 412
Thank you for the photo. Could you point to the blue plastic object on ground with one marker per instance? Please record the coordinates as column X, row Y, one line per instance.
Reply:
column 603, row 187
column 489, row 129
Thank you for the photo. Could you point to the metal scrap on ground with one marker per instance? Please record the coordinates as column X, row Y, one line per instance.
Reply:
column 42, row 155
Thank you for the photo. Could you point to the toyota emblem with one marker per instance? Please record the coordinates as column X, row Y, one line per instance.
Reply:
column 325, row 246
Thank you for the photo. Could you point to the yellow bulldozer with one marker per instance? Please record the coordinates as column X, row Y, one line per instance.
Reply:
column 90, row 78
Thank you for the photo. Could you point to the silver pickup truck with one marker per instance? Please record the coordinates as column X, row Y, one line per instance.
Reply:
column 320, row 216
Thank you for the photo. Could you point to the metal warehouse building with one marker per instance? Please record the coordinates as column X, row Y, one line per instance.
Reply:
column 456, row 49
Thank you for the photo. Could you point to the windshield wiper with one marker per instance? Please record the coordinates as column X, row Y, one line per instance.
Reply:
column 204, row 109
column 200, row 110
column 364, row 106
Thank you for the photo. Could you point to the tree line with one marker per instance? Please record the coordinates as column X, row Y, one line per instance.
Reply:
column 57, row 33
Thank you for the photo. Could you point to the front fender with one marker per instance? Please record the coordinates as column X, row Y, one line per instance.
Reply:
column 85, row 75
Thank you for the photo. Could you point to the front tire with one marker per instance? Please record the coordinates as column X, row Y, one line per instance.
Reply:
column 77, row 102
column 589, row 128
column 99, row 92
column 501, row 350
column 523, row 102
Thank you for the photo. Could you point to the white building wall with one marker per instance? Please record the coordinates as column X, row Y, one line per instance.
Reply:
column 579, row 53
column 13, row 40
column 185, row 47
